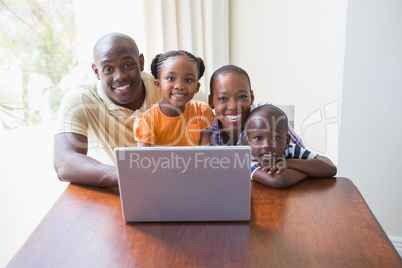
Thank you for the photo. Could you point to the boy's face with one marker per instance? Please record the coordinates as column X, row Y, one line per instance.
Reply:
column 231, row 99
column 178, row 81
column 268, row 139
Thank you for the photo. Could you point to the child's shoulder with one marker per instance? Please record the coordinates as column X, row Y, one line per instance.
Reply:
column 196, row 104
column 200, row 108
column 147, row 113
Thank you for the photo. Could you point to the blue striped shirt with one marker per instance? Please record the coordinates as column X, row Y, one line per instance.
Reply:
column 293, row 152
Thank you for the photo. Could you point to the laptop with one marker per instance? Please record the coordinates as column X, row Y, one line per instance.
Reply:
column 175, row 184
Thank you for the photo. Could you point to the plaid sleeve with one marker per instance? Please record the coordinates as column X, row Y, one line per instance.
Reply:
column 294, row 138
column 216, row 134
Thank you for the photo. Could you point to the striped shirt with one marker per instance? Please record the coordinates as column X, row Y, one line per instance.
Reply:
column 293, row 152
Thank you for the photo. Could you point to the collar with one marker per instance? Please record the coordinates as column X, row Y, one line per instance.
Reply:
column 108, row 102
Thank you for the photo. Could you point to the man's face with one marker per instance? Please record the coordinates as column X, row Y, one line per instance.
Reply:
column 118, row 67
column 232, row 99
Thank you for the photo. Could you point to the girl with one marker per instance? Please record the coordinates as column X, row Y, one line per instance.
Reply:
column 176, row 120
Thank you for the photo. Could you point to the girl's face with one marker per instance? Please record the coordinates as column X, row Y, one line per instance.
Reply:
column 178, row 82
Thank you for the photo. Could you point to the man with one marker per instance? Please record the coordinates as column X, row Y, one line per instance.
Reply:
column 100, row 117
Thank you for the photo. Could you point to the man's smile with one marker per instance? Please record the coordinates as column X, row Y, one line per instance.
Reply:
column 121, row 87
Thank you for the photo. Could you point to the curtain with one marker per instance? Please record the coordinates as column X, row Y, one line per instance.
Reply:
column 200, row 27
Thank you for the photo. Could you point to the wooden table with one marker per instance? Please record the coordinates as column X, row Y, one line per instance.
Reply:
column 316, row 223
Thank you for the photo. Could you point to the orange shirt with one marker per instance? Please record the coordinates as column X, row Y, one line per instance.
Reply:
column 156, row 128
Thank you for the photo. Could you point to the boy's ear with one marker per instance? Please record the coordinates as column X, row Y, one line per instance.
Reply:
column 211, row 101
column 252, row 96
column 198, row 87
column 157, row 84
column 287, row 141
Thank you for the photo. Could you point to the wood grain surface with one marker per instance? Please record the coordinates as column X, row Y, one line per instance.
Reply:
column 315, row 223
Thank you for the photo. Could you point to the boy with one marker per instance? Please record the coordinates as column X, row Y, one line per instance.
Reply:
column 277, row 162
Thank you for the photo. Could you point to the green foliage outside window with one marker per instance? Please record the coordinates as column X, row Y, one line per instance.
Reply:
column 37, row 39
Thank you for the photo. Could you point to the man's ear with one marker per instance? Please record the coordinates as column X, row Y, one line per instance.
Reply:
column 157, row 83
column 96, row 71
column 141, row 62
column 211, row 101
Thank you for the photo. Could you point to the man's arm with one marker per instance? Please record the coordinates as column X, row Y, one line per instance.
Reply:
column 72, row 164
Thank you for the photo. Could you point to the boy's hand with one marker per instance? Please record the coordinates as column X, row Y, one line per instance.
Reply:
column 273, row 166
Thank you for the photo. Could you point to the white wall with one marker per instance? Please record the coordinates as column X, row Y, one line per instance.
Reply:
column 294, row 53
column 95, row 18
column 370, row 147
column 200, row 27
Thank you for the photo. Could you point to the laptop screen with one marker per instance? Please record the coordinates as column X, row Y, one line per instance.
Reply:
column 184, row 183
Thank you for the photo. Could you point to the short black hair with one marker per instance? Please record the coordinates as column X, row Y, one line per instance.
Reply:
column 225, row 70
column 264, row 111
column 159, row 59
